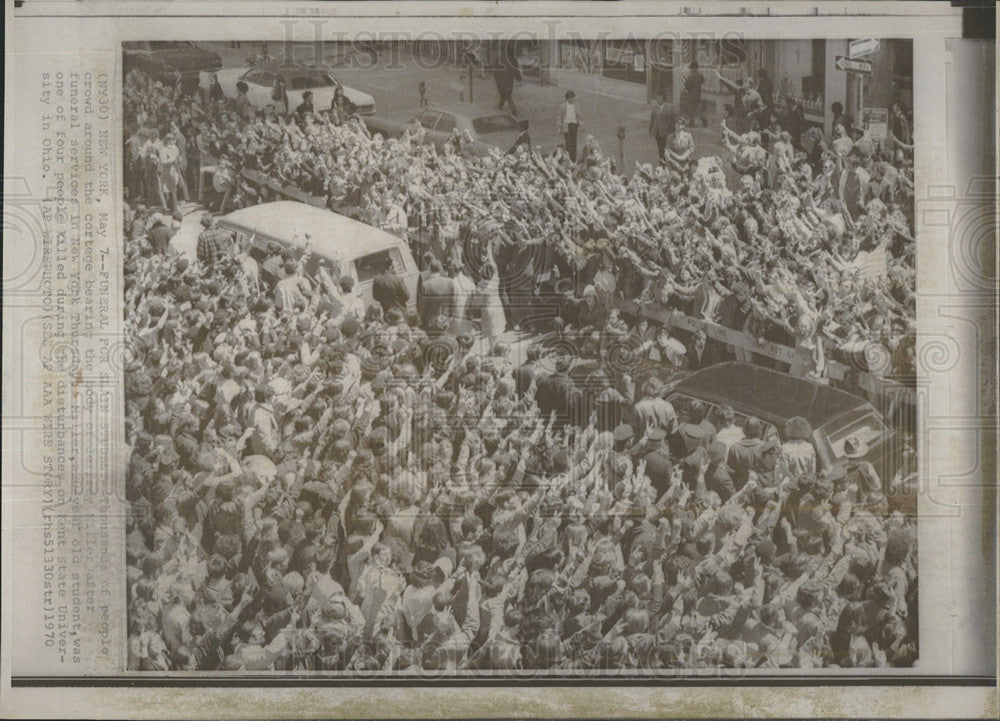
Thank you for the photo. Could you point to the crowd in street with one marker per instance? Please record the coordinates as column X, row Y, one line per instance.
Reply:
column 783, row 253
column 321, row 483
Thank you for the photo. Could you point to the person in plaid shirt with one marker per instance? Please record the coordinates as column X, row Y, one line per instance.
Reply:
column 213, row 242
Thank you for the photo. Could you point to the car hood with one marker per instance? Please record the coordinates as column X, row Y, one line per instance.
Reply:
column 501, row 141
column 357, row 97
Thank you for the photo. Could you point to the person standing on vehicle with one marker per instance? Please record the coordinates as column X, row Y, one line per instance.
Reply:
column 569, row 123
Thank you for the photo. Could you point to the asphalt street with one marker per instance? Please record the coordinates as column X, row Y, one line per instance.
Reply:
column 395, row 79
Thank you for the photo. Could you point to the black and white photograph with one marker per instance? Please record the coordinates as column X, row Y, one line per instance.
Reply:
column 574, row 356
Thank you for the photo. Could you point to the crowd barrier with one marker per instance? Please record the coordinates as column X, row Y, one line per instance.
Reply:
column 893, row 399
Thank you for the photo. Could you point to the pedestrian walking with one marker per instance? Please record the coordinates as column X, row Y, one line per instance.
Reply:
column 569, row 123
column 691, row 96
column 661, row 125
column 504, row 78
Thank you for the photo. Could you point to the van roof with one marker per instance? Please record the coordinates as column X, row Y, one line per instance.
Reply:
column 767, row 394
column 332, row 235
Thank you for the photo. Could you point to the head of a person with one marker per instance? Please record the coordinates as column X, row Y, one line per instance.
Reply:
column 570, row 96
column 697, row 412
column 242, row 87
column 753, row 428
column 797, row 429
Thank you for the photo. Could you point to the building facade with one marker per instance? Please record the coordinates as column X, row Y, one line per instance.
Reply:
column 809, row 70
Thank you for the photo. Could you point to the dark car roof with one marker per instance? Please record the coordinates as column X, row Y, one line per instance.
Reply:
column 771, row 396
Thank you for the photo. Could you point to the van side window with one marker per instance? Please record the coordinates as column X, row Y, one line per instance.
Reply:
column 314, row 263
column 368, row 266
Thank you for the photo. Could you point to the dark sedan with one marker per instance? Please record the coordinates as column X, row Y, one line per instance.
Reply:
column 170, row 60
column 776, row 397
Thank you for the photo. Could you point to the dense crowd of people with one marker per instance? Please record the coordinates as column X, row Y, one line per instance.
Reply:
column 786, row 249
column 321, row 483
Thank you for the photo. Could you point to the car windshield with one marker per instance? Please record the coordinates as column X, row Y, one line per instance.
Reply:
column 172, row 45
column 682, row 403
column 863, row 425
column 311, row 80
column 495, row 124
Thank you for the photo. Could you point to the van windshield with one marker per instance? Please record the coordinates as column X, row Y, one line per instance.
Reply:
column 368, row 266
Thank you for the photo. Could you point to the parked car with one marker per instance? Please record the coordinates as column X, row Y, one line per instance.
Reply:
column 168, row 60
column 261, row 83
column 774, row 398
column 487, row 131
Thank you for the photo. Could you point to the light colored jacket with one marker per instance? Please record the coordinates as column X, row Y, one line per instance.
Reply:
column 564, row 110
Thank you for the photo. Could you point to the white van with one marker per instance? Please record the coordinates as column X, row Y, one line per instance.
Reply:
column 356, row 249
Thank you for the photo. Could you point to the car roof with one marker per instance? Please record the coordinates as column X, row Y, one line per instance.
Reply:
column 332, row 235
column 769, row 395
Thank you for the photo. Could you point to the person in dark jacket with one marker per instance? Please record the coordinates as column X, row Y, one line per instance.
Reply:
column 504, row 78
column 526, row 373
column 658, row 464
column 691, row 96
column 661, row 125
column 306, row 106
column 215, row 93
column 717, row 475
column 745, row 454
column 389, row 289
column 697, row 432
column 159, row 234
column 437, row 295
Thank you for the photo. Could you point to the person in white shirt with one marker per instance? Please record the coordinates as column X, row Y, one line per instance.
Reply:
column 569, row 123
column 730, row 432
column 289, row 290
column 396, row 221
column 352, row 304
column 251, row 270
column 656, row 412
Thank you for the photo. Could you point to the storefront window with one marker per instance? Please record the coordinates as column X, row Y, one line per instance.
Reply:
column 625, row 60
column 581, row 55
